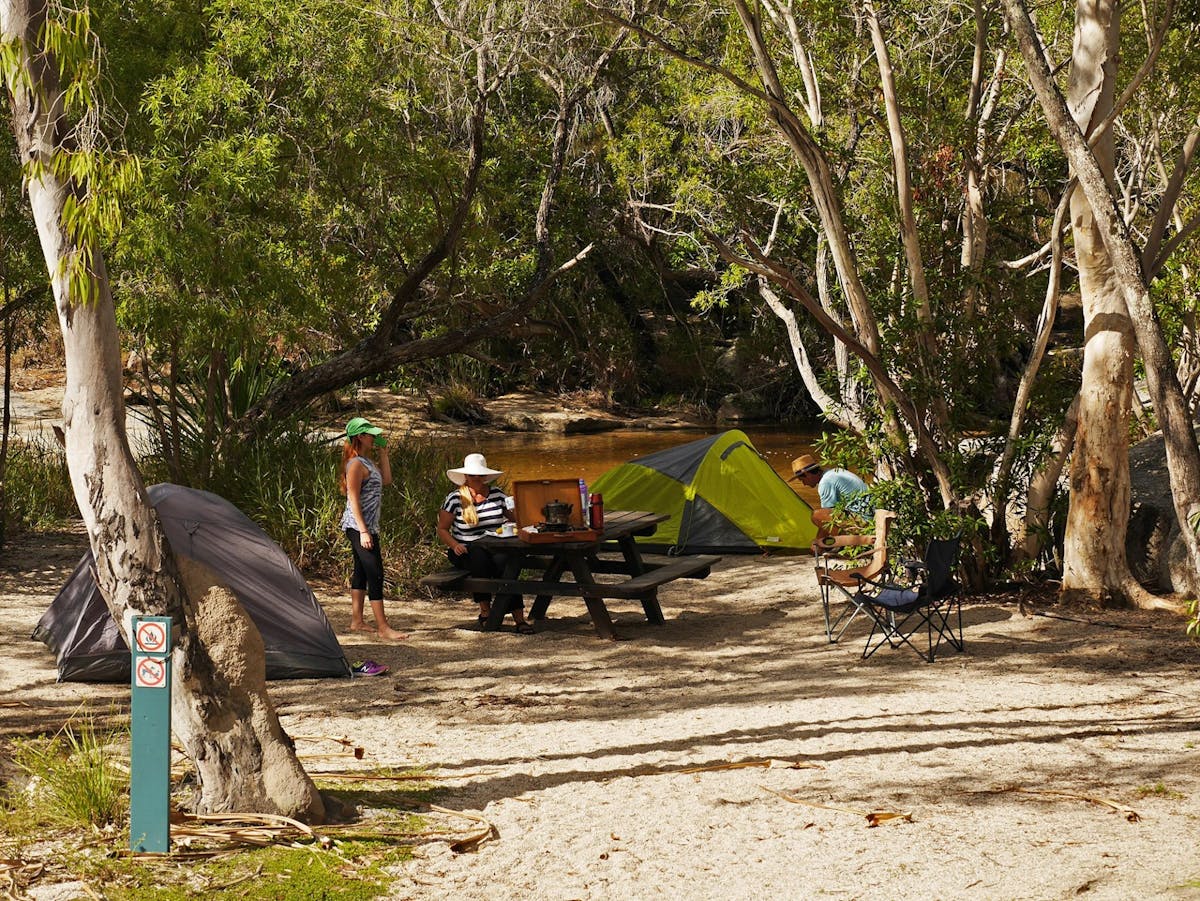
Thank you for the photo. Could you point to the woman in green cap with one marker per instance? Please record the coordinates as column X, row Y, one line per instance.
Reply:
column 362, row 481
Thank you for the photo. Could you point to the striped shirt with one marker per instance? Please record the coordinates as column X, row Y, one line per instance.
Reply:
column 491, row 514
column 370, row 498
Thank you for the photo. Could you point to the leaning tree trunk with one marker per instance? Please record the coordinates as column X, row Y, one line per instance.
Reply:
column 1183, row 454
column 222, row 715
column 1094, row 563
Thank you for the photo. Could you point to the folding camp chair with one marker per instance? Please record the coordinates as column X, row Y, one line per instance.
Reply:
column 930, row 603
column 839, row 584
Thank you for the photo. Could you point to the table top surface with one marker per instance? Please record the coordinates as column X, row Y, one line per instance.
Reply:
column 617, row 524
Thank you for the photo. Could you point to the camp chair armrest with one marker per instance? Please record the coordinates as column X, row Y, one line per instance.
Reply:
column 882, row 586
column 834, row 542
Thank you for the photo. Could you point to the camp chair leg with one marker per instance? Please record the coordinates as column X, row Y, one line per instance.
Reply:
column 836, row 626
column 934, row 620
column 891, row 632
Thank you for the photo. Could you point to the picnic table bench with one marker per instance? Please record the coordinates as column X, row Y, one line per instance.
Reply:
column 614, row 553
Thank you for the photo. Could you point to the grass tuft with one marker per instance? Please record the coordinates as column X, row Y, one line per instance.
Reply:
column 76, row 777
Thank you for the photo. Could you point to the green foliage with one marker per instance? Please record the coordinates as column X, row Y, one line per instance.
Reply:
column 192, row 418
column 72, row 803
column 75, row 776
column 351, row 872
column 1158, row 790
column 847, row 450
column 915, row 525
column 38, row 487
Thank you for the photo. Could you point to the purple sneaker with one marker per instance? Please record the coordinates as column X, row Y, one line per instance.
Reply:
column 369, row 668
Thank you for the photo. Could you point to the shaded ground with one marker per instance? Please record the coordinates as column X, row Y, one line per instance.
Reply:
column 577, row 749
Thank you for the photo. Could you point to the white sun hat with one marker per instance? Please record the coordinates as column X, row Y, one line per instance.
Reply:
column 473, row 465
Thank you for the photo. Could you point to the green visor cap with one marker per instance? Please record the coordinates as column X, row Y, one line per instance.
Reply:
column 359, row 426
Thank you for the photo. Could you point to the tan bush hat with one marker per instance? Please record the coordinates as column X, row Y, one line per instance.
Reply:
column 802, row 465
column 473, row 465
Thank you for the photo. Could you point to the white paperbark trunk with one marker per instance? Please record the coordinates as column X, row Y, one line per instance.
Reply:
column 226, row 725
column 1094, row 563
column 1183, row 455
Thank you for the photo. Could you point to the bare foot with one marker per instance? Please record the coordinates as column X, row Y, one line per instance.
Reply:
column 361, row 627
column 392, row 635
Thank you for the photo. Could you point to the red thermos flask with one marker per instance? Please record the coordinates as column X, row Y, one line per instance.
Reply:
column 596, row 511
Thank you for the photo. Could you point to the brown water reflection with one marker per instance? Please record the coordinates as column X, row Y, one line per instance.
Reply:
column 543, row 456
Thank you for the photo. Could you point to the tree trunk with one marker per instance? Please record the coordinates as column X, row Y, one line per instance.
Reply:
column 1183, row 455
column 1094, row 564
column 1043, row 486
column 226, row 725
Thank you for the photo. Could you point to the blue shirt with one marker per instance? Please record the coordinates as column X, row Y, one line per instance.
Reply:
column 844, row 488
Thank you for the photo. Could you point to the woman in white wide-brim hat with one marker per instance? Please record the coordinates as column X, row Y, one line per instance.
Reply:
column 471, row 511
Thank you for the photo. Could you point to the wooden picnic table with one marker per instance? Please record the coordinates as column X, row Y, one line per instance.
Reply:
column 638, row 575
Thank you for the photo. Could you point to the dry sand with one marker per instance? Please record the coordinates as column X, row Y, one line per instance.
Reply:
column 577, row 749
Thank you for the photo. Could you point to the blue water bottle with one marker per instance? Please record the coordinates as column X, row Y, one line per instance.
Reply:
column 584, row 514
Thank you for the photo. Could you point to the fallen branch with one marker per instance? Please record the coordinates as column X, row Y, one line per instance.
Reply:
column 1130, row 814
column 473, row 841
column 375, row 777
column 765, row 763
column 746, row 764
column 874, row 817
column 356, row 750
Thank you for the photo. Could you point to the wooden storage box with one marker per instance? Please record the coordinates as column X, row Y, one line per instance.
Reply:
column 529, row 497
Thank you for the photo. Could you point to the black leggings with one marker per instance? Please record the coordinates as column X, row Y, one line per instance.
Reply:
column 479, row 561
column 368, row 566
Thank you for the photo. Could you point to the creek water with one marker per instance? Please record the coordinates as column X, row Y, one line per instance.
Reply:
column 544, row 456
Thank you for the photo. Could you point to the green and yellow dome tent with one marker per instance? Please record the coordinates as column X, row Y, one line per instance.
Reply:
column 723, row 497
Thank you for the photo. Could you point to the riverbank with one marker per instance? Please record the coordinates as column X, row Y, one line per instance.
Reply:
column 733, row 754
column 519, row 411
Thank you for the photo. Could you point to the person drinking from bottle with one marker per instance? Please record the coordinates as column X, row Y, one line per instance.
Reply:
column 361, row 480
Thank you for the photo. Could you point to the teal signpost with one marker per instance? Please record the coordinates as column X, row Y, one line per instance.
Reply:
column 150, row 757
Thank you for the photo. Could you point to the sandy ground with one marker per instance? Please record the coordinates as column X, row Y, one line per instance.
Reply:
column 577, row 750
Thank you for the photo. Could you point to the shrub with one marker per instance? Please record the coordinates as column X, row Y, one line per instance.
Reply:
column 915, row 525
column 459, row 402
column 38, row 487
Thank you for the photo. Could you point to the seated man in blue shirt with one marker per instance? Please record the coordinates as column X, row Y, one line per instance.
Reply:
column 837, row 488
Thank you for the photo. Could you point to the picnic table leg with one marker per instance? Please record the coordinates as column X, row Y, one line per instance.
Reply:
column 553, row 573
column 633, row 556
column 654, row 612
column 595, row 604
column 512, row 570
column 637, row 566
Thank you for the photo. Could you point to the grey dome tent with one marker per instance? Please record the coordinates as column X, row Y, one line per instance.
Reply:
column 206, row 528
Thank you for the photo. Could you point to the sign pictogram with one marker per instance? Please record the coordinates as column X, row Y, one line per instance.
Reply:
column 151, row 672
column 151, row 636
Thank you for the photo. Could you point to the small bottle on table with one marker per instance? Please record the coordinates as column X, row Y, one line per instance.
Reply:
column 596, row 511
